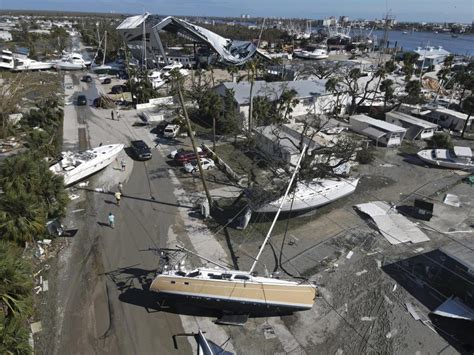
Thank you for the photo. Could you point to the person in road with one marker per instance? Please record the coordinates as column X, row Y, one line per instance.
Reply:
column 120, row 187
column 118, row 196
column 123, row 164
column 112, row 114
column 111, row 220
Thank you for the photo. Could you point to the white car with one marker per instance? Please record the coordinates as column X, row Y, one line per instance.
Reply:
column 206, row 164
column 176, row 151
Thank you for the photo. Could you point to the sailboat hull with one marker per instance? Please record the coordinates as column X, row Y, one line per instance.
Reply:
column 246, row 297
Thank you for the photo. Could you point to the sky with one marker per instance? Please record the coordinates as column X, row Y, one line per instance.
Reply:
column 402, row 10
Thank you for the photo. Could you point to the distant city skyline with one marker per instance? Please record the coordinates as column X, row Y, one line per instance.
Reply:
column 402, row 10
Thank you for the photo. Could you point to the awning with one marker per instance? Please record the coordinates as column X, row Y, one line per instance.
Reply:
column 373, row 133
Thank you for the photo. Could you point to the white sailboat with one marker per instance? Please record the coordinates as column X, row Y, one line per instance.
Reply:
column 310, row 195
column 457, row 158
column 75, row 166
column 241, row 292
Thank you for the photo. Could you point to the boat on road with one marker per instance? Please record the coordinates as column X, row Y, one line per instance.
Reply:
column 76, row 166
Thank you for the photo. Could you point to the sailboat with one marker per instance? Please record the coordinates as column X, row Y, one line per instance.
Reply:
column 240, row 292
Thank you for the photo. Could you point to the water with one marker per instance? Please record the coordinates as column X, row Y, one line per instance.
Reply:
column 463, row 45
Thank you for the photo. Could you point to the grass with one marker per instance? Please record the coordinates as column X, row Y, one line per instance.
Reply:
column 236, row 158
column 408, row 148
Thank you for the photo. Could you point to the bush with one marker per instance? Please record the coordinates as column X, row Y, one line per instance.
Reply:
column 440, row 141
column 365, row 155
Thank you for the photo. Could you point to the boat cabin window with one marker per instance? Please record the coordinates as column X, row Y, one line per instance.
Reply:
column 194, row 274
column 226, row 276
column 180, row 273
column 215, row 277
column 241, row 277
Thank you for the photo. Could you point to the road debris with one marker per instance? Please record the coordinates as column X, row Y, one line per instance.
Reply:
column 361, row 272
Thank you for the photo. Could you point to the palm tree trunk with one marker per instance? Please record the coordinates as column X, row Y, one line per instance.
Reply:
column 465, row 125
column 214, row 133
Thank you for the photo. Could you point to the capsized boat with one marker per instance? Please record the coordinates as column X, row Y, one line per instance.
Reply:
column 75, row 166
column 240, row 292
column 457, row 158
column 310, row 195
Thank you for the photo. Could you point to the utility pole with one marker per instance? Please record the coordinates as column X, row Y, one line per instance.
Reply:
column 191, row 135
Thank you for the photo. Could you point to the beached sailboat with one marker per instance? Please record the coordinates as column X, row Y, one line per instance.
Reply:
column 235, row 291
column 316, row 54
column 72, row 61
column 75, row 166
column 310, row 195
column 457, row 158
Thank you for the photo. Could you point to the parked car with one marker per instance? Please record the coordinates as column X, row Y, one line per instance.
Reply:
column 141, row 150
column 81, row 100
column 87, row 79
column 183, row 157
column 171, row 131
column 191, row 166
column 181, row 150
column 118, row 89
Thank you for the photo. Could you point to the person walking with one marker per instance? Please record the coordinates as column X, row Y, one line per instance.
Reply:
column 118, row 196
column 120, row 187
column 117, row 115
column 112, row 114
column 111, row 220
column 123, row 164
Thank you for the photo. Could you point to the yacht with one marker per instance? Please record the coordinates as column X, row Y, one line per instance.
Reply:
column 72, row 61
column 236, row 291
column 6, row 59
column 310, row 195
column 75, row 166
column 22, row 64
column 457, row 158
column 318, row 53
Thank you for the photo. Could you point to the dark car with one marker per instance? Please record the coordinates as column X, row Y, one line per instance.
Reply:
column 141, row 150
column 87, row 79
column 81, row 100
column 106, row 81
column 118, row 89
column 188, row 155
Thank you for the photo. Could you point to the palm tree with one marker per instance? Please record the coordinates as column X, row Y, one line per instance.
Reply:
column 468, row 107
column 332, row 85
column 252, row 70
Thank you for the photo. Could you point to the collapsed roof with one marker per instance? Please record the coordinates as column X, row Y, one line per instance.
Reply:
column 231, row 52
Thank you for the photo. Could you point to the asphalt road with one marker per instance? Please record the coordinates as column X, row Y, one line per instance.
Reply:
column 103, row 299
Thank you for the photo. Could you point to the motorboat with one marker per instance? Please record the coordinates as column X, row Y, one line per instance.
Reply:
column 236, row 291
column 6, row 59
column 22, row 64
column 156, row 79
column 310, row 195
column 456, row 158
column 75, row 166
column 72, row 61
column 318, row 53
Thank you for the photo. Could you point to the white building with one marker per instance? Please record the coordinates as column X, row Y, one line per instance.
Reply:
column 311, row 95
column 416, row 127
column 5, row 36
column 381, row 132
column 446, row 118
column 429, row 56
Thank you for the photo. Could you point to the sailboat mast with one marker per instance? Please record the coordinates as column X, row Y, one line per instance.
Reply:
column 105, row 48
column 279, row 209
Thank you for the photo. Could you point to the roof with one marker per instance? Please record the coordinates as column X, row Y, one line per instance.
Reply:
column 273, row 90
column 450, row 112
column 461, row 253
column 288, row 139
column 230, row 51
column 133, row 21
column 382, row 125
column 411, row 120
column 431, row 52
